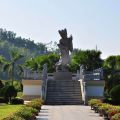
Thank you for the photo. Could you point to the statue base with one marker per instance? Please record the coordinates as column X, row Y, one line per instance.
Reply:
column 62, row 76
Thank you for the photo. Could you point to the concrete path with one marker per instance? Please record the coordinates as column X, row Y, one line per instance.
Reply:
column 67, row 112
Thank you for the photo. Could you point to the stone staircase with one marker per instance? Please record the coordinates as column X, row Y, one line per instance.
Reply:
column 63, row 92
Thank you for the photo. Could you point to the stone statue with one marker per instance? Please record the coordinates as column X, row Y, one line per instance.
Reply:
column 65, row 45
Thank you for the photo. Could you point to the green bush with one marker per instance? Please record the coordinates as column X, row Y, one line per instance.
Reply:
column 105, row 107
column 93, row 102
column 17, row 85
column 115, row 93
column 25, row 113
column 16, row 101
column 35, row 103
column 38, row 100
column 32, row 110
column 13, row 117
column 116, row 117
column 8, row 92
column 114, row 110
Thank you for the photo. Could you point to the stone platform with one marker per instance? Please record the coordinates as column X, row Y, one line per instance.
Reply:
column 62, row 76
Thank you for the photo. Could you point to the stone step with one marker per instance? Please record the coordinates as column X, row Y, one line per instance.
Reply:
column 63, row 87
column 63, row 92
column 64, row 103
column 61, row 82
column 64, row 83
column 64, row 98
column 63, row 95
column 69, row 94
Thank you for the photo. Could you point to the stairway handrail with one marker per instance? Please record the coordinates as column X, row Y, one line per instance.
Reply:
column 83, row 90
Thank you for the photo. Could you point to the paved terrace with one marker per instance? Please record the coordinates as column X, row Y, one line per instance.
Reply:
column 67, row 112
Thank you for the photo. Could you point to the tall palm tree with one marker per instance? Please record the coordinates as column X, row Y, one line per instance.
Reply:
column 2, row 62
column 12, row 64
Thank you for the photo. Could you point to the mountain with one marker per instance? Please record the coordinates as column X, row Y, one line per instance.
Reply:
column 9, row 41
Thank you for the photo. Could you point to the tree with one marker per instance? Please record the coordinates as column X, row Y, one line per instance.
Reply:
column 8, row 92
column 11, row 65
column 38, row 62
column 89, row 58
column 111, row 72
column 2, row 61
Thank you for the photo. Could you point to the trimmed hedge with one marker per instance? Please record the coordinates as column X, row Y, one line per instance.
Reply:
column 104, row 109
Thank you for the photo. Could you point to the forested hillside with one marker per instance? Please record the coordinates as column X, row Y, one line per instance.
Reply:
column 10, row 41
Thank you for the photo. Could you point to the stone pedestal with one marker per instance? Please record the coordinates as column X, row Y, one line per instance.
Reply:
column 62, row 76
column 32, row 89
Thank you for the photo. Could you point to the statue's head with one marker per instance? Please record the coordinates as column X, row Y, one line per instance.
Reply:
column 63, row 33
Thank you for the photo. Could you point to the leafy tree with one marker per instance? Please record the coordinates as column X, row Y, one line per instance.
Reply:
column 2, row 61
column 89, row 58
column 111, row 72
column 38, row 62
column 11, row 65
column 8, row 92
column 115, row 93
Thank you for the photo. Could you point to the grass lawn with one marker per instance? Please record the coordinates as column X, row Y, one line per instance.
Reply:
column 6, row 110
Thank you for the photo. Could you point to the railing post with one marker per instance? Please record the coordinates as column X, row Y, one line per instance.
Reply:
column 85, row 95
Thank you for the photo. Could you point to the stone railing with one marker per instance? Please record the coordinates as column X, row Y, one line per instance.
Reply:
column 96, row 74
column 93, row 76
column 83, row 90
column 34, row 75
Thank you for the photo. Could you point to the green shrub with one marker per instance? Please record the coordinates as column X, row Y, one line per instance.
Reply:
column 8, row 92
column 105, row 107
column 35, row 103
column 13, row 117
column 114, row 110
column 115, row 93
column 116, row 117
column 25, row 113
column 17, row 85
column 93, row 102
column 32, row 110
column 39, row 100
column 16, row 101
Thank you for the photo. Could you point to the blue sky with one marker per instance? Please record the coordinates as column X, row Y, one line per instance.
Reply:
column 91, row 22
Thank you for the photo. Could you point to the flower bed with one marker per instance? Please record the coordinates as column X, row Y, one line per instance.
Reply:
column 106, row 110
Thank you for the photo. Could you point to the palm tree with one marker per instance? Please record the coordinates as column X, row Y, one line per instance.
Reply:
column 12, row 64
column 2, row 60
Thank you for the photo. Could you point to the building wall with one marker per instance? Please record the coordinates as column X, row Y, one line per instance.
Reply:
column 95, row 90
column 32, row 90
column 32, row 87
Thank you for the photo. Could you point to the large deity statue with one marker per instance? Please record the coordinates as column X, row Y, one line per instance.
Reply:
column 65, row 45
